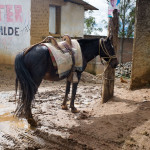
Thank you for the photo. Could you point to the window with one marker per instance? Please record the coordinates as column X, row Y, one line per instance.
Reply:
column 54, row 19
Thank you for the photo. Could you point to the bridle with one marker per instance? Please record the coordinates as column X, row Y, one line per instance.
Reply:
column 102, row 45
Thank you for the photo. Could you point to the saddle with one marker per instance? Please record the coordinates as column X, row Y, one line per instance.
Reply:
column 52, row 40
column 67, row 48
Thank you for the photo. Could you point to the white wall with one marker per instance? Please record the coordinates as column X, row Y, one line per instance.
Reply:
column 72, row 20
column 15, row 23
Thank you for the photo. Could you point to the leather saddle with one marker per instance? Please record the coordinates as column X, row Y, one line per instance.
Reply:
column 50, row 39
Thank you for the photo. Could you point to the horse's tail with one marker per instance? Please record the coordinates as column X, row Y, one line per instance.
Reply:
column 27, row 88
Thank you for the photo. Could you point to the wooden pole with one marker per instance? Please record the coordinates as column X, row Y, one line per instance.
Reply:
column 123, row 34
column 109, row 74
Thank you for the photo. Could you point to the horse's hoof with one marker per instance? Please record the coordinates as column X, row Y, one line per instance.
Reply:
column 64, row 107
column 74, row 110
column 32, row 122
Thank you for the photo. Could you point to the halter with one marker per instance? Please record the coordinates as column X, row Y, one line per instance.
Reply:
column 101, row 43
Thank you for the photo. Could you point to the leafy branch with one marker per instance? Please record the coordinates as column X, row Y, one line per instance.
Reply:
column 90, row 24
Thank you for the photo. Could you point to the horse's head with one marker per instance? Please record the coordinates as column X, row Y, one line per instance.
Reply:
column 107, row 52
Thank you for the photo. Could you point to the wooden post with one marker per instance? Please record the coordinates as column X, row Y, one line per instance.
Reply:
column 109, row 75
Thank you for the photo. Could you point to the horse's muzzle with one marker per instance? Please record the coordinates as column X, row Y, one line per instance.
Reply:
column 114, row 62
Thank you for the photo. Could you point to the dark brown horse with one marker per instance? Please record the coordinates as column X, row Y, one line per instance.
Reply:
column 36, row 65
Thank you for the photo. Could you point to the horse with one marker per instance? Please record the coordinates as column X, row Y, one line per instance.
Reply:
column 35, row 65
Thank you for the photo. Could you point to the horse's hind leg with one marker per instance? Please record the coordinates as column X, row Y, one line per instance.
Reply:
column 30, row 118
column 29, row 115
column 37, row 80
column 64, row 105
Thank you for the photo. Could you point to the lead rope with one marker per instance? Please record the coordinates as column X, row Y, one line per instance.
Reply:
column 105, row 68
column 101, row 76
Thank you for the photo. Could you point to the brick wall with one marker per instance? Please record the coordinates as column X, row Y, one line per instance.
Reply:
column 40, row 18
column 127, row 50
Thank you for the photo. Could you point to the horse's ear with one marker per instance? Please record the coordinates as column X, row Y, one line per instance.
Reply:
column 110, row 37
column 107, row 39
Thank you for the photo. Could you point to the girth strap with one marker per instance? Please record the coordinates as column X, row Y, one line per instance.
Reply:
column 73, row 75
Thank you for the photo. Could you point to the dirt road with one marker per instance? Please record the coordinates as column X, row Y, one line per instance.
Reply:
column 121, row 124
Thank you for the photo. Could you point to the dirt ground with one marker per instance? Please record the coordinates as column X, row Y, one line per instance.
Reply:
column 121, row 124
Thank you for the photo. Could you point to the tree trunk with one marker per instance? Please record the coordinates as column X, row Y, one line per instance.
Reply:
column 123, row 34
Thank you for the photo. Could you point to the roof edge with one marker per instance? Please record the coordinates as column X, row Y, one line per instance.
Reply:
column 86, row 5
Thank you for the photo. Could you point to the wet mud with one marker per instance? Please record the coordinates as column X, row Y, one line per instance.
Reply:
column 121, row 124
column 53, row 131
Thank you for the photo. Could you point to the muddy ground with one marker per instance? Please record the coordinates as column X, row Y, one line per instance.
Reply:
column 121, row 124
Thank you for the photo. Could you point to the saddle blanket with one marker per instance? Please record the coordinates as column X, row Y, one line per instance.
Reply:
column 63, row 61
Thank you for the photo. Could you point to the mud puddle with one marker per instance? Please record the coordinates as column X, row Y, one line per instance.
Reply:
column 53, row 131
column 16, row 133
column 10, row 126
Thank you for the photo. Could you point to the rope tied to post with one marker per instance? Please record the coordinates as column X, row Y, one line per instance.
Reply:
column 110, row 57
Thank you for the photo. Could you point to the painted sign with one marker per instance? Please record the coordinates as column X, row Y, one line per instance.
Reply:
column 113, row 4
column 15, row 22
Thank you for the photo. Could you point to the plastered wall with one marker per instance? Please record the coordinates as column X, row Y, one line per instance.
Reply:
column 15, row 22
column 72, row 20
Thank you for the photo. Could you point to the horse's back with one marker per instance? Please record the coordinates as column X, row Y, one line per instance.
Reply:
column 39, row 62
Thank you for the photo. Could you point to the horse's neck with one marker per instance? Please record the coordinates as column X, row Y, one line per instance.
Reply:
column 90, row 49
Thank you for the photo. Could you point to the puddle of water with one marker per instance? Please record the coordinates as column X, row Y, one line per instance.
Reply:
column 13, row 121
column 12, row 125
column 9, row 123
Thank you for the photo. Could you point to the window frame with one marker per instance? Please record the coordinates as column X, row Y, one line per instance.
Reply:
column 57, row 20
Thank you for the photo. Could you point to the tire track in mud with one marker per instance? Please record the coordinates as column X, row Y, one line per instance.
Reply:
column 57, row 142
column 39, row 139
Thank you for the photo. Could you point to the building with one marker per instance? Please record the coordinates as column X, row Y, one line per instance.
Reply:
column 26, row 22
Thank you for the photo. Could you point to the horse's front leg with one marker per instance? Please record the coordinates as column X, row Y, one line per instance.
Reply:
column 74, row 90
column 64, row 105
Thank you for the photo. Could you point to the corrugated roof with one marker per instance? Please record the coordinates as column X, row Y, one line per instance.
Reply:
column 86, row 5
